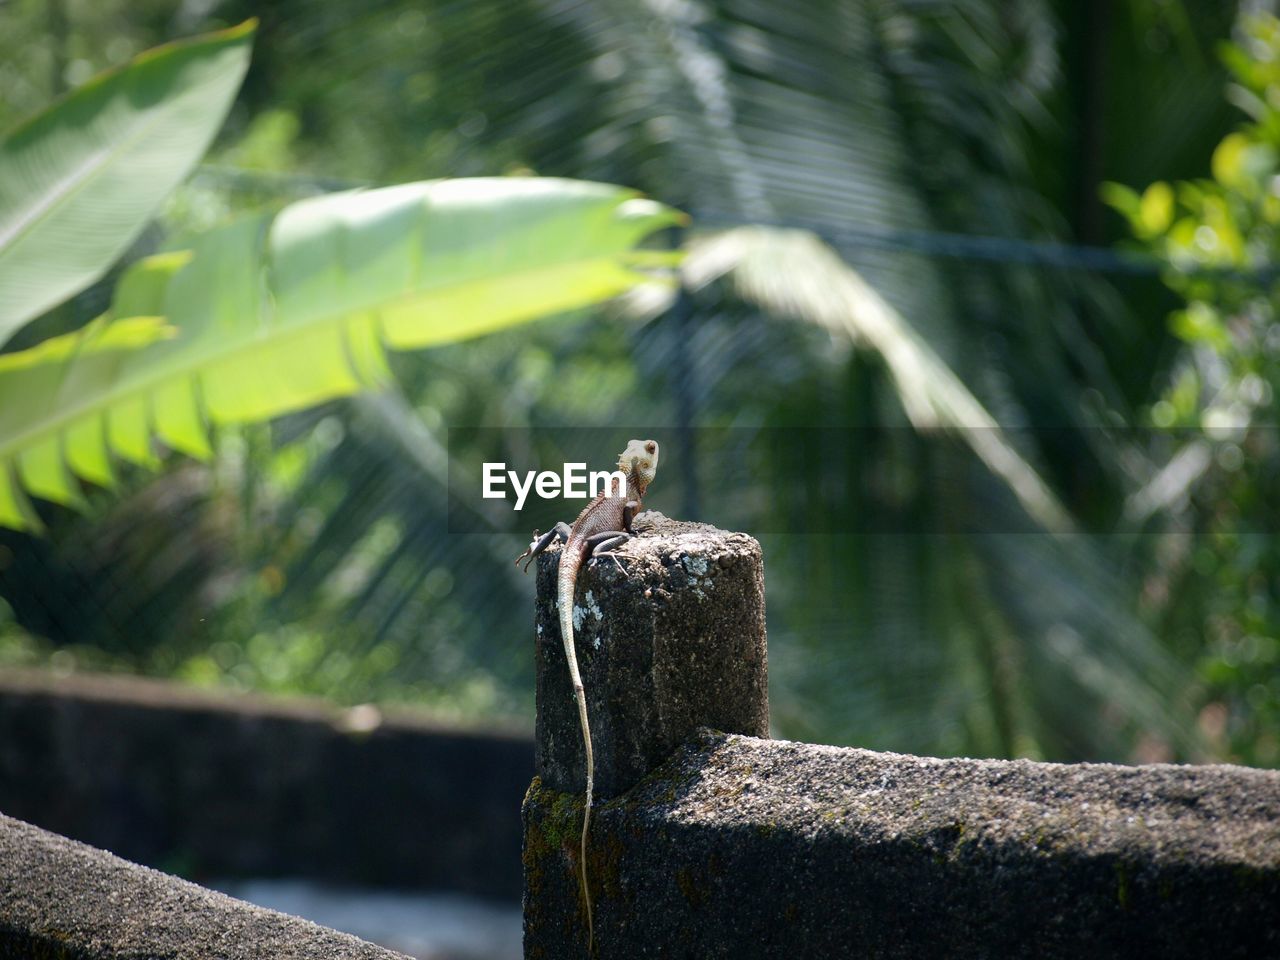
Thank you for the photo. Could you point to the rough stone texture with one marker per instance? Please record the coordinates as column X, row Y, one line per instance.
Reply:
column 65, row 900
column 218, row 785
column 747, row 848
column 676, row 643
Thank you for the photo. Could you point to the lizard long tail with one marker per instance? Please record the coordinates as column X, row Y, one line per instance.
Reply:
column 570, row 559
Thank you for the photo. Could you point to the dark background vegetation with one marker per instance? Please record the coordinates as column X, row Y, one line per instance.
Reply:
column 954, row 153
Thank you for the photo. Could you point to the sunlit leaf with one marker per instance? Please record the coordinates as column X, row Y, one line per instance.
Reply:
column 129, row 333
column 1229, row 158
column 79, row 181
column 1155, row 210
column 1124, row 200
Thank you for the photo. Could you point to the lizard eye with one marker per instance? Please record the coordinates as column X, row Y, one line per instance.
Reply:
column 650, row 447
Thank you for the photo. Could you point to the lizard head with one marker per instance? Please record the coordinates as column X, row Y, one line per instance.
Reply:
column 640, row 460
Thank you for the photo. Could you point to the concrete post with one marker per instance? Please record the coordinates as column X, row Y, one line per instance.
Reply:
column 675, row 643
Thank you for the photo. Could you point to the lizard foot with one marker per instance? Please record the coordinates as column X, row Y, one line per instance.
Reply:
column 528, row 552
column 539, row 543
column 603, row 544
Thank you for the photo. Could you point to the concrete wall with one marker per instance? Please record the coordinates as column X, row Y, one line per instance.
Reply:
column 62, row 900
column 210, row 785
column 745, row 848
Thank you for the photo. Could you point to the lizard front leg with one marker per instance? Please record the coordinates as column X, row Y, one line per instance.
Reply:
column 539, row 543
column 629, row 511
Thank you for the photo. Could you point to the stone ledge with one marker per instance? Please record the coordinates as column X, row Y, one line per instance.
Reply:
column 746, row 848
column 62, row 899
column 130, row 690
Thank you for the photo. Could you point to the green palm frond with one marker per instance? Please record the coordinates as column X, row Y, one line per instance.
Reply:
column 272, row 315
column 793, row 273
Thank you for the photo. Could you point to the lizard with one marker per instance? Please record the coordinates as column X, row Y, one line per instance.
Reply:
column 602, row 526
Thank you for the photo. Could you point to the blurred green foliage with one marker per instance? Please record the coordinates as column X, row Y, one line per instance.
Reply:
column 317, row 555
column 1218, row 591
